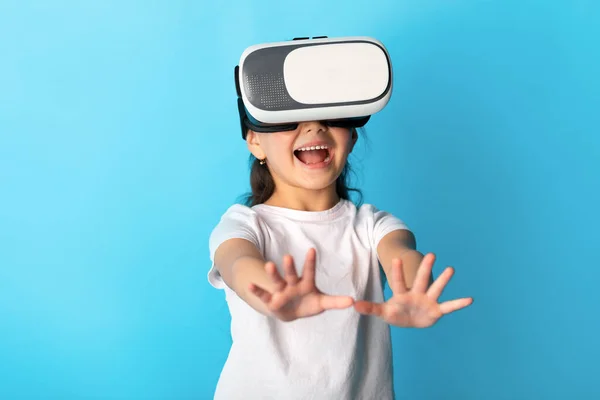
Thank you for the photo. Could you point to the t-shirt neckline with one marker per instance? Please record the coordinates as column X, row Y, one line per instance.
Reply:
column 301, row 215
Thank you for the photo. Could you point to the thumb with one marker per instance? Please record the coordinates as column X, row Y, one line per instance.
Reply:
column 370, row 308
column 328, row 302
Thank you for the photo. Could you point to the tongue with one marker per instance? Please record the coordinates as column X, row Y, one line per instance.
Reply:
column 312, row 156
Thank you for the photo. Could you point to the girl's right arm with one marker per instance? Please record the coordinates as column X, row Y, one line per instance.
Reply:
column 240, row 264
column 260, row 285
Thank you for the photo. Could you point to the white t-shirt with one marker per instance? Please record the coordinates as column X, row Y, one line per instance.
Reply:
column 337, row 355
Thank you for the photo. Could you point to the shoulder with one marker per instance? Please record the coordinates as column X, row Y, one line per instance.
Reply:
column 239, row 215
column 366, row 209
column 379, row 222
column 374, row 213
column 238, row 212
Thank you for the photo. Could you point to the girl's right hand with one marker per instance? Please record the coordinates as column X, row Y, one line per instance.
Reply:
column 297, row 297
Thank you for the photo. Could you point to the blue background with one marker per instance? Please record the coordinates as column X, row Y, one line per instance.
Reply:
column 120, row 149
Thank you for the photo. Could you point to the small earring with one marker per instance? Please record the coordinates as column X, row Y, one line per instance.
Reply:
column 262, row 162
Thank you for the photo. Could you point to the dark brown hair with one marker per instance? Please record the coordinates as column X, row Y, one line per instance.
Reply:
column 262, row 185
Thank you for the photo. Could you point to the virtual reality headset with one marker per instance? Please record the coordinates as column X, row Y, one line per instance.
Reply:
column 338, row 81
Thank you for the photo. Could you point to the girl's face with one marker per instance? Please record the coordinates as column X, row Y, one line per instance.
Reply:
column 310, row 157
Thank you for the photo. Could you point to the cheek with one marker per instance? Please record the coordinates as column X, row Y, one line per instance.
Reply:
column 343, row 138
column 282, row 160
column 280, row 154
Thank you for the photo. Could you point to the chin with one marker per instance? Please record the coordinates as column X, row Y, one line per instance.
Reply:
column 319, row 177
column 318, row 183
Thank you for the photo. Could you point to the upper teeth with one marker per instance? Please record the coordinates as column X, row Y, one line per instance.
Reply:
column 312, row 148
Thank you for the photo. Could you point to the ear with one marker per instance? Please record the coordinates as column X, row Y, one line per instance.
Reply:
column 253, row 142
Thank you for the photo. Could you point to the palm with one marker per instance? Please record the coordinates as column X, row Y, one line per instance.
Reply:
column 297, row 297
column 414, row 310
column 417, row 307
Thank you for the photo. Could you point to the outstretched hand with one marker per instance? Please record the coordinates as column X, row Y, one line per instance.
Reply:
column 297, row 297
column 417, row 307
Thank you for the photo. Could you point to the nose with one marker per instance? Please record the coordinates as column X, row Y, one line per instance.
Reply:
column 312, row 127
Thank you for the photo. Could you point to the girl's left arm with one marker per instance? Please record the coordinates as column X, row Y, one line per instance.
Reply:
column 414, row 301
column 400, row 244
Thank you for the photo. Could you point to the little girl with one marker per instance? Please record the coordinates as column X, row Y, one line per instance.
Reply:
column 303, row 268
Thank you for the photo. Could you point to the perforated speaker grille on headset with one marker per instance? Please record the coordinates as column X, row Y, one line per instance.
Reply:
column 268, row 90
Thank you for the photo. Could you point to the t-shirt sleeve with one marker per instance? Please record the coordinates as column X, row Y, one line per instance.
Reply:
column 384, row 223
column 238, row 222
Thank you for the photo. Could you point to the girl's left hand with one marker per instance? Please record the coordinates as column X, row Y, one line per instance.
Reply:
column 417, row 307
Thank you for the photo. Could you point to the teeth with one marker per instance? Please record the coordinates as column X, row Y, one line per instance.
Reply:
column 312, row 148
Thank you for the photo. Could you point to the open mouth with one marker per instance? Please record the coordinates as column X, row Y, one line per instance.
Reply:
column 312, row 155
